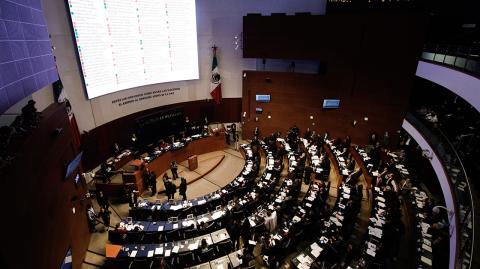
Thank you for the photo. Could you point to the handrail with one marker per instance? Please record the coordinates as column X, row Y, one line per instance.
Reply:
column 463, row 58
column 467, row 180
column 443, row 145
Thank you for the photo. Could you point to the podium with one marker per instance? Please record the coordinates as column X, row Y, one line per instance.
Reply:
column 192, row 162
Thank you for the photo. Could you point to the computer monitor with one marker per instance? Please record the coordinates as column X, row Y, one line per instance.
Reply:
column 331, row 103
column 262, row 98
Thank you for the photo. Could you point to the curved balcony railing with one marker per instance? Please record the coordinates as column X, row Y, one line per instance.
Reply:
column 460, row 184
column 463, row 58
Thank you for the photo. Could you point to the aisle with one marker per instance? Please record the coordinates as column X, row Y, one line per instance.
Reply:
column 226, row 171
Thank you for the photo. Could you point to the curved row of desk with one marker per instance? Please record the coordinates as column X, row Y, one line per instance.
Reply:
column 331, row 227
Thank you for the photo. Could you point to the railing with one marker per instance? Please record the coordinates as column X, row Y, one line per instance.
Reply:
column 463, row 58
column 460, row 185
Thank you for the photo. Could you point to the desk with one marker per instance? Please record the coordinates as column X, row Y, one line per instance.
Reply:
column 163, row 249
column 361, row 158
column 205, row 265
column 196, row 147
column 220, row 235
column 234, row 258
column 220, row 263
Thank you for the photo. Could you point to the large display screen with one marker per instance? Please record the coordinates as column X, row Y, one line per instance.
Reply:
column 124, row 44
column 26, row 60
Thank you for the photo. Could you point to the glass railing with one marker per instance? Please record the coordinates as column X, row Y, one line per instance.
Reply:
column 463, row 58
column 460, row 186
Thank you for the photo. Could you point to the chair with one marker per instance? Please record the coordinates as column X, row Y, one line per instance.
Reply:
column 238, row 215
column 185, row 259
column 190, row 233
column 151, row 238
column 223, row 248
column 209, row 229
column 206, row 256
column 115, row 237
column 133, row 238
column 259, row 228
column 141, row 264
column 117, row 263
column 171, row 236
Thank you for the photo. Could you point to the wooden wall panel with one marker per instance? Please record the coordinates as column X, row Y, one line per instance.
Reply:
column 97, row 144
column 371, row 60
column 37, row 221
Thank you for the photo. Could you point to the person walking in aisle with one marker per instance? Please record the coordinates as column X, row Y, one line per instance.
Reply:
column 153, row 183
column 183, row 188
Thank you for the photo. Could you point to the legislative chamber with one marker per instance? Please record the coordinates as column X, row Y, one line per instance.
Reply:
column 239, row 134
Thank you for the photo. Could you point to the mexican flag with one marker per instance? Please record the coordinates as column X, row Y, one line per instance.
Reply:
column 215, row 84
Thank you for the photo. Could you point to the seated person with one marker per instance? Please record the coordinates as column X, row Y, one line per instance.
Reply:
column 204, row 246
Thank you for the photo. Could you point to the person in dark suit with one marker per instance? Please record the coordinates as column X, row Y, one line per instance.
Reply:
column 235, row 230
column 183, row 188
column 165, row 184
column 153, row 183
column 105, row 215
column 102, row 200
column 172, row 189
column 245, row 231
column 174, row 168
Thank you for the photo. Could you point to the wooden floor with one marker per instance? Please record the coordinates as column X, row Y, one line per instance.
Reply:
column 224, row 172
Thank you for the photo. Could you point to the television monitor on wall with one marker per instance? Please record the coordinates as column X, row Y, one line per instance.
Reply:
column 73, row 165
column 262, row 98
column 331, row 103
column 127, row 44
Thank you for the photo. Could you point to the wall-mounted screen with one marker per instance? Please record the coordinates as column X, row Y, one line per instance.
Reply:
column 331, row 103
column 262, row 98
column 73, row 165
column 124, row 44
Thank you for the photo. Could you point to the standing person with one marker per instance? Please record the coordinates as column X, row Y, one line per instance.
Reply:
column 245, row 232
column 235, row 234
column 168, row 189
column 165, row 184
column 102, row 200
column 173, row 190
column 91, row 218
column 153, row 183
column 173, row 168
column 183, row 188
column 105, row 215
column 132, row 199
column 146, row 178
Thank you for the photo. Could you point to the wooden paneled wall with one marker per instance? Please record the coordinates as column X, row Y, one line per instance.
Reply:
column 37, row 220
